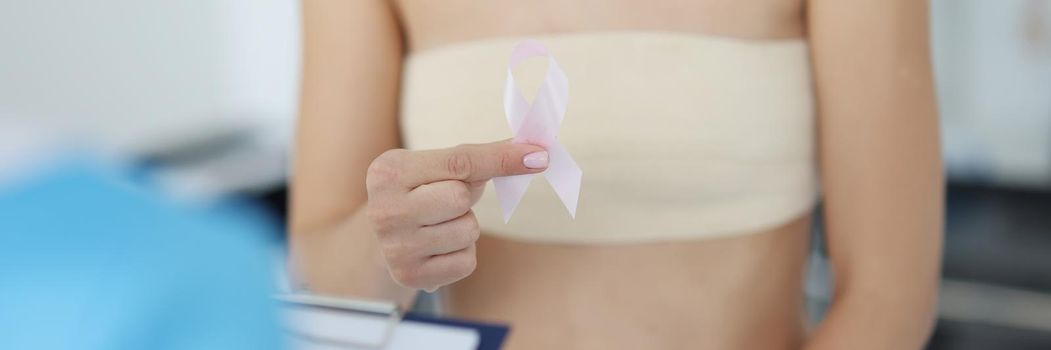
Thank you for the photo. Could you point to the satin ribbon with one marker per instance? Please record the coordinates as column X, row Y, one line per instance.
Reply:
column 538, row 123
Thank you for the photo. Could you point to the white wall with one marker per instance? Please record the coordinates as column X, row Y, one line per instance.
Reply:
column 139, row 75
column 993, row 63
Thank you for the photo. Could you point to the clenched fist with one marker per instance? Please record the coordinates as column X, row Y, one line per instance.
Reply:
column 420, row 206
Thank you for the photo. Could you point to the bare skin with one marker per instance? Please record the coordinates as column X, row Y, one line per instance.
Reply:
column 738, row 293
column 880, row 168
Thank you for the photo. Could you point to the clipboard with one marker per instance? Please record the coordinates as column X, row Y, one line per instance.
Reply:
column 321, row 322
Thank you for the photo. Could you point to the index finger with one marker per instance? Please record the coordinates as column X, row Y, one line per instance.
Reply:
column 477, row 162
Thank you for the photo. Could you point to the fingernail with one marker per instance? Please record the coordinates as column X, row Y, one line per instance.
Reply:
column 535, row 160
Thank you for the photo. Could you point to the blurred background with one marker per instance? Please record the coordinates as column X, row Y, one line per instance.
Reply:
column 194, row 102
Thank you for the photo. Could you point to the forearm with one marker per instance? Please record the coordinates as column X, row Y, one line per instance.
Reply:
column 881, row 171
column 872, row 320
column 352, row 53
column 344, row 260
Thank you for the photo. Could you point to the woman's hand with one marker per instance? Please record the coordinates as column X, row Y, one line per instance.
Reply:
column 419, row 204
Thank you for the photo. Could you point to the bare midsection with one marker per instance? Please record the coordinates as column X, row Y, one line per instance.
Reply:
column 715, row 293
column 429, row 24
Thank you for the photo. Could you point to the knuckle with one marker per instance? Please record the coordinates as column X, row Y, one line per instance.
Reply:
column 382, row 172
column 458, row 239
column 408, row 247
column 376, row 217
column 378, row 174
column 464, row 266
column 406, row 275
column 468, row 230
column 382, row 218
column 394, row 250
column 461, row 197
column 459, row 163
column 473, row 230
column 508, row 163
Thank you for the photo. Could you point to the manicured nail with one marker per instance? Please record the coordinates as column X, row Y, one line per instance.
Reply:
column 535, row 160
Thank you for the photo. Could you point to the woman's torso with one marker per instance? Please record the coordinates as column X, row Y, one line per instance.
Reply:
column 680, row 136
column 736, row 292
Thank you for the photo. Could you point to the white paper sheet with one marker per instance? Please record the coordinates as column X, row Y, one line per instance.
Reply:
column 308, row 325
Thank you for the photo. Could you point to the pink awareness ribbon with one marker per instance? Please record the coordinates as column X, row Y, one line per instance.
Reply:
column 538, row 124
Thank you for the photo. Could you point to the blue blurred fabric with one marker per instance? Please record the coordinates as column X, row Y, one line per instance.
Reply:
column 89, row 262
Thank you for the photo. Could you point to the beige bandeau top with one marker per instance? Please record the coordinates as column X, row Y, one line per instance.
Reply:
column 679, row 136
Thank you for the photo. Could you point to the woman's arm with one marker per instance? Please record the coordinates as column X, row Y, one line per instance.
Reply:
column 352, row 53
column 881, row 171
